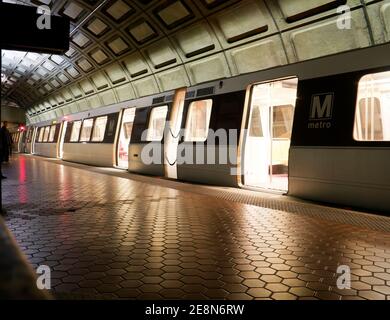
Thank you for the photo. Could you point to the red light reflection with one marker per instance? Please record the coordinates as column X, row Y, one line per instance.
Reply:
column 22, row 189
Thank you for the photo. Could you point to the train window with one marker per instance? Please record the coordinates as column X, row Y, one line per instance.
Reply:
column 282, row 121
column 127, row 127
column 41, row 130
column 198, row 120
column 99, row 128
column 157, row 123
column 52, row 133
column 372, row 115
column 128, row 119
column 86, row 130
column 111, row 126
column 74, row 137
column 46, row 134
column 29, row 135
column 255, row 127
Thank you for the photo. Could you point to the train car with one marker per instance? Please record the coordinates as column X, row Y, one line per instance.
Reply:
column 341, row 140
column 317, row 130
column 315, row 160
column 87, row 137
column 159, row 145
column 107, row 132
column 47, row 140
column 147, row 136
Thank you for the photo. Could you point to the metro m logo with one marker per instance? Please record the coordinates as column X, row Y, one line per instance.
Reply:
column 321, row 106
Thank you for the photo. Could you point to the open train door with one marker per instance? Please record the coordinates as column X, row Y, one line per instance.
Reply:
column 172, row 134
column 268, row 135
column 20, row 141
column 34, row 138
column 60, row 150
column 123, row 143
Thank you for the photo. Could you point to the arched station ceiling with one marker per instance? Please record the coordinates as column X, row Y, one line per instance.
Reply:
column 124, row 49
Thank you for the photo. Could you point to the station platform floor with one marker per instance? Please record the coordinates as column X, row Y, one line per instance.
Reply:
column 109, row 234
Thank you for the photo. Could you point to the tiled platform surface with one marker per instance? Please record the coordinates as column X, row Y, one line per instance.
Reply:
column 107, row 236
column 17, row 279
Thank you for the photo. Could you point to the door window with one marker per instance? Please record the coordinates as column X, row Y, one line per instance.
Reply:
column 99, row 129
column 74, row 137
column 157, row 120
column 40, row 137
column 125, row 136
column 46, row 134
column 198, row 120
column 52, row 133
column 86, row 130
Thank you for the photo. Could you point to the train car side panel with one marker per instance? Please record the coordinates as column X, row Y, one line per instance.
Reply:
column 336, row 156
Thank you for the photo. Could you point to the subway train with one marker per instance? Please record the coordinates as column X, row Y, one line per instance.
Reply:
column 317, row 130
column 18, row 141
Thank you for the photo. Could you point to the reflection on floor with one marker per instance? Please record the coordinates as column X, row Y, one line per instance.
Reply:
column 105, row 236
column 278, row 182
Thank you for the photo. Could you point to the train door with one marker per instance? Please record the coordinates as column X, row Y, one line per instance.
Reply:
column 171, row 140
column 20, row 142
column 30, row 131
column 16, row 141
column 34, row 137
column 267, row 139
column 27, row 139
column 60, row 150
column 126, row 128
column 24, row 141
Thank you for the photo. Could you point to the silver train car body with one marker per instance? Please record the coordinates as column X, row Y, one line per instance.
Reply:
column 295, row 126
column 46, row 142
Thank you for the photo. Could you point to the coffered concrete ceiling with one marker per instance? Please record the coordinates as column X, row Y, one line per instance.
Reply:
column 124, row 49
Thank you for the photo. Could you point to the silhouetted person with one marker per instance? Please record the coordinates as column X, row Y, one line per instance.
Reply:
column 5, row 141
column 2, row 147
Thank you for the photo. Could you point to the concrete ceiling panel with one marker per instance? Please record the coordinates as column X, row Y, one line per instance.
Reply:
column 124, row 92
column 173, row 79
column 209, row 68
column 145, row 86
column 325, row 37
column 127, row 48
column 258, row 55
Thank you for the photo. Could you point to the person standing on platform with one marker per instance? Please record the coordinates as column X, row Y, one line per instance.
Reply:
column 2, row 147
column 5, row 141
